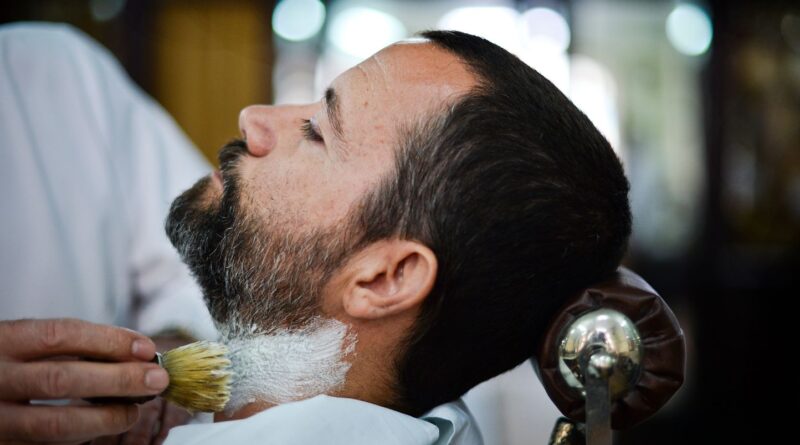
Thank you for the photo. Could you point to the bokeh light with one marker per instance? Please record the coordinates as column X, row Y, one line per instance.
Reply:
column 544, row 28
column 689, row 29
column 361, row 32
column 105, row 10
column 298, row 20
column 498, row 24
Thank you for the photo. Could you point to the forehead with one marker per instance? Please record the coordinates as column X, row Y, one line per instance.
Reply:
column 417, row 64
column 403, row 80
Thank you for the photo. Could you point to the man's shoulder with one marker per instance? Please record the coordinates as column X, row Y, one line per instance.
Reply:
column 321, row 419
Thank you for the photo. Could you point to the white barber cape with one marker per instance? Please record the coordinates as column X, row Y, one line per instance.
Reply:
column 90, row 168
column 334, row 420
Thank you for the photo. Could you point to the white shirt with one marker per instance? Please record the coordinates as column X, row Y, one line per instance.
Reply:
column 90, row 166
column 334, row 420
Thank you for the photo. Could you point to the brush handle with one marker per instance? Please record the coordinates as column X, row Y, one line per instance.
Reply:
column 119, row 400
column 126, row 400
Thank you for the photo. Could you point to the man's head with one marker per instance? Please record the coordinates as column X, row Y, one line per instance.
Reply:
column 442, row 201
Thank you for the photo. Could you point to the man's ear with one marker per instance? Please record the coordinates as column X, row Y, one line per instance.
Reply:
column 387, row 278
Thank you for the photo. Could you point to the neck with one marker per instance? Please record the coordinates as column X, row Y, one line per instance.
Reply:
column 286, row 365
column 273, row 369
column 352, row 389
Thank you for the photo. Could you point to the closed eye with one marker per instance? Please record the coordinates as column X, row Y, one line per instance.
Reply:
column 309, row 132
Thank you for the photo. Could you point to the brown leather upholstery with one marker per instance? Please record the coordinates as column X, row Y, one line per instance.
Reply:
column 663, row 357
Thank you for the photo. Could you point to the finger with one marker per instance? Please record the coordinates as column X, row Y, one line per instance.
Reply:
column 42, row 423
column 147, row 426
column 173, row 416
column 66, row 336
column 107, row 440
column 16, row 442
column 68, row 380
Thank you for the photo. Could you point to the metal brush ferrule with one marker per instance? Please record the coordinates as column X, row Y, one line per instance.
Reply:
column 158, row 359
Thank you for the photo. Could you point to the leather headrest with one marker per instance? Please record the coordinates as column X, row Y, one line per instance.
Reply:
column 663, row 355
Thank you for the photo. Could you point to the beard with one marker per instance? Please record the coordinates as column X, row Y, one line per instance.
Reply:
column 256, row 276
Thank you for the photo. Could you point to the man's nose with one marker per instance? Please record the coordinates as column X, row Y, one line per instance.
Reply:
column 256, row 128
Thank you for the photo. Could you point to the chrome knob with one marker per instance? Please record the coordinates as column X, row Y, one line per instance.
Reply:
column 603, row 341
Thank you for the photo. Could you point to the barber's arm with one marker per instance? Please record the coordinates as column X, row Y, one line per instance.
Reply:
column 39, row 361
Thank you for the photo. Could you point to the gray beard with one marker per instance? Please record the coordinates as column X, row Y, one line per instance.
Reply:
column 262, row 286
column 251, row 273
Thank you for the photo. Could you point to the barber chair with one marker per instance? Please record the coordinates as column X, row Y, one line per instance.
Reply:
column 613, row 356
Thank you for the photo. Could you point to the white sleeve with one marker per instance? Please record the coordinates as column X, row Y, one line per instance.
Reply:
column 165, row 163
column 91, row 166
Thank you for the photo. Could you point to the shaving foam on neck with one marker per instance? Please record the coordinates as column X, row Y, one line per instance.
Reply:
column 287, row 365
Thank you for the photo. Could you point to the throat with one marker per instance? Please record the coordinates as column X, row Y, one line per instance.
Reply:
column 285, row 365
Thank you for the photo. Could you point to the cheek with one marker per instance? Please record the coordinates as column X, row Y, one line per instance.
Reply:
column 303, row 194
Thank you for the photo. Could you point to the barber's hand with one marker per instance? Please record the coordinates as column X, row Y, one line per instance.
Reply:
column 156, row 418
column 32, row 367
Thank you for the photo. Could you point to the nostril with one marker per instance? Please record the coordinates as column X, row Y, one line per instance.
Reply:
column 256, row 128
column 245, row 119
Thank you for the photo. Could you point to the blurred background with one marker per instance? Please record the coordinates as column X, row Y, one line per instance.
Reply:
column 701, row 100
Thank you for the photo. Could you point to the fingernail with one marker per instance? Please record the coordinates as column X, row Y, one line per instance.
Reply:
column 143, row 349
column 156, row 379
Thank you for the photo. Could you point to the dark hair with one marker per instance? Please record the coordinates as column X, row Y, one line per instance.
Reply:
column 523, row 202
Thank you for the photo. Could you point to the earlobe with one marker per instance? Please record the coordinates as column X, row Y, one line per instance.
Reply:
column 388, row 278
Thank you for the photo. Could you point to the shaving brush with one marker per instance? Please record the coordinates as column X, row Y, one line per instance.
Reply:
column 199, row 378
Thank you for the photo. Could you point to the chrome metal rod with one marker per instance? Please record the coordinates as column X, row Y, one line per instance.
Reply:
column 598, row 399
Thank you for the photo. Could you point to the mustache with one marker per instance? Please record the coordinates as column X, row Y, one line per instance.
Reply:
column 230, row 153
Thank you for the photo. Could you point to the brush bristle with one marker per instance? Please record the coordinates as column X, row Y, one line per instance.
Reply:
column 199, row 376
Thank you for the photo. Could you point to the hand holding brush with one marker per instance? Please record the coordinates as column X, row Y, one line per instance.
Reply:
column 32, row 367
column 199, row 378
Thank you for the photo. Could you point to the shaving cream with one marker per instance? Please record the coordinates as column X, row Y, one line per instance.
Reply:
column 286, row 365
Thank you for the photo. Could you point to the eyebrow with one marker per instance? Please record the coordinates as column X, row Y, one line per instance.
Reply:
column 333, row 112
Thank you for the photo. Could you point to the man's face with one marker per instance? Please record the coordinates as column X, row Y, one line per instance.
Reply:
column 264, row 237
column 309, row 183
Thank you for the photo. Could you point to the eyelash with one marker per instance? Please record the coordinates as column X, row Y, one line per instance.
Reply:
column 309, row 132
